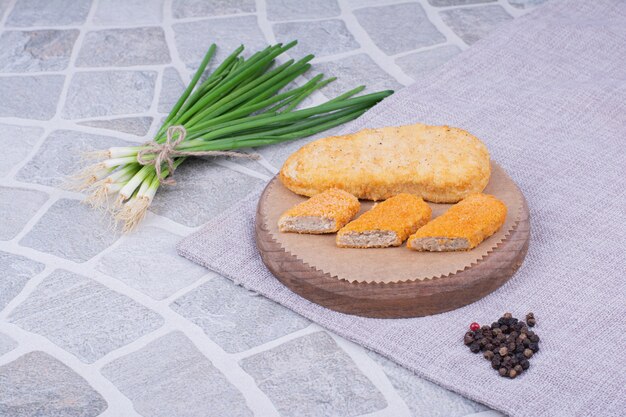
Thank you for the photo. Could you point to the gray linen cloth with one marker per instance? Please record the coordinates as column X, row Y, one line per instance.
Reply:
column 547, row 94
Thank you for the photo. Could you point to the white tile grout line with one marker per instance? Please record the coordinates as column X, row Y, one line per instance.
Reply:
column 432, row 13
column 8, row 10
column 513, row 11
column 97, row 27
column 118, row 404
column 379, row 57
column 225, row 362
column 374, row 372
column 255, row 398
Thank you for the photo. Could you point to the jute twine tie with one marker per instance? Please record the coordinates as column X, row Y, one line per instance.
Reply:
column 166, row 152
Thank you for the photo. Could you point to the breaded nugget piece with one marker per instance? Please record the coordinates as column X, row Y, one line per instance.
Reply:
column 326, row 212
column 462, row 227
column 438, row 163
column 387, row 224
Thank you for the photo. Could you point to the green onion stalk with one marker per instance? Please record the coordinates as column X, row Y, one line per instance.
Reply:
column 243, row 103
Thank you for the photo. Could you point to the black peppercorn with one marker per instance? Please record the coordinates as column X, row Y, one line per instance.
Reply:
column 507, row 344
column 525, row 364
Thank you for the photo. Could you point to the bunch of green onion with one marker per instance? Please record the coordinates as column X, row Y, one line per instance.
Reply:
column 239, row 105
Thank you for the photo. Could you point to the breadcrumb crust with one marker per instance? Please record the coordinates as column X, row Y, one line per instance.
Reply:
column 474, row 218
column 402, row 214
column 333, row 204
column 441, row 164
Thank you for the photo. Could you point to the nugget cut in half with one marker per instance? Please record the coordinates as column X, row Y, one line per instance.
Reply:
column 464, row 226
column 438, row 163
column 387, row 224
column 326, row 212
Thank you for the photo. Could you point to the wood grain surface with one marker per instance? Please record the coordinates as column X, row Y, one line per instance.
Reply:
column 401, row 299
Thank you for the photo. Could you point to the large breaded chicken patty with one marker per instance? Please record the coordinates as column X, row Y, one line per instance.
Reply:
column 441, row 164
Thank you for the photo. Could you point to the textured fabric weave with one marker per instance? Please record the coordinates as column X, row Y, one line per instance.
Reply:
column 547, row 94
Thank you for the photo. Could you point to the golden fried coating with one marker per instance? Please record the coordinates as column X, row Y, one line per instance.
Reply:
column 387, row 224
column 326, row 212
column 462, row 227
column 438, row 163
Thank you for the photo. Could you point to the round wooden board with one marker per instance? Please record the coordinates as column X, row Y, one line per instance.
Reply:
column 400, row 299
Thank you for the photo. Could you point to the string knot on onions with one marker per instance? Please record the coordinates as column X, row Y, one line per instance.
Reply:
column 242, row 104
column 164, row 153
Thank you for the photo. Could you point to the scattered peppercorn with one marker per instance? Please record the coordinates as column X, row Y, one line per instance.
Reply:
column 507, row 344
